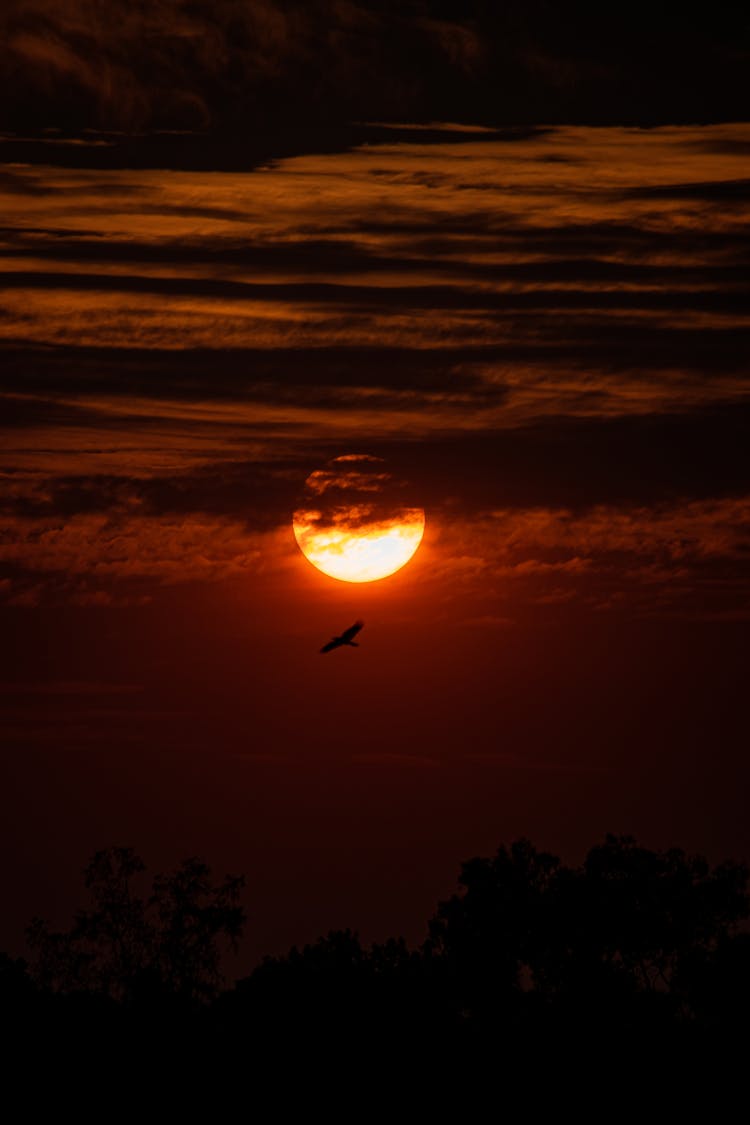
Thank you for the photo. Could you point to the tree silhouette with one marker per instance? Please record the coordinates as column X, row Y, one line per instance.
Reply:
column 130, row 947
column 191, row 914
column 652, row 911
column 632, row 944
column 631, row 931
column 492, row 930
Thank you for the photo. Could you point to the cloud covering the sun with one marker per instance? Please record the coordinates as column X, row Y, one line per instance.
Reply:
column 545, row 335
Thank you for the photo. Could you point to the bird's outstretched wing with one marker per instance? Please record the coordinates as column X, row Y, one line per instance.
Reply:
column 351, row 631
column 335, row 643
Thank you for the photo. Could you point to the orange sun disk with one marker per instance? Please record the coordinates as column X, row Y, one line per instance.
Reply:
column 359, row 553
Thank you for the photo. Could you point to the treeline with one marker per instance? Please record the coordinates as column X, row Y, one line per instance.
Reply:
column 634, row 942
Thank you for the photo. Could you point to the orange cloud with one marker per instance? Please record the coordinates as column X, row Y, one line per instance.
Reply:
column 609, row 557
column 109, row 548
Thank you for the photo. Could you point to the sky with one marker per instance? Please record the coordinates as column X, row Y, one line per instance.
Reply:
column 243, row 66
column 542, row 331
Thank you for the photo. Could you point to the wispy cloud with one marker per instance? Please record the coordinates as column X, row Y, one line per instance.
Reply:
column 549, row 333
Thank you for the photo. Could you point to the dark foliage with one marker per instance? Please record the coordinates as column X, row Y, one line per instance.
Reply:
column 634, row 944
column 163, row 948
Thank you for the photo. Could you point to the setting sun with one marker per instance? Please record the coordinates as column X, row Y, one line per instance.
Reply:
column 354, row 523
column 360, row 555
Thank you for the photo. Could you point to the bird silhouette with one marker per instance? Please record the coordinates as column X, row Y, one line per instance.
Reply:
column 345, row 638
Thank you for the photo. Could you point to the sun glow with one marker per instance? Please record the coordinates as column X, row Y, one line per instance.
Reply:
column 357, row 521
column 360, row 554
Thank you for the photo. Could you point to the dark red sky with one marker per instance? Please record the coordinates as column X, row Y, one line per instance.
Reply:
column 242, row 67
column 547, row 336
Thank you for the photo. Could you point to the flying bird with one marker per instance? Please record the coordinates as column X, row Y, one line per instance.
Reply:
column 345, row 638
